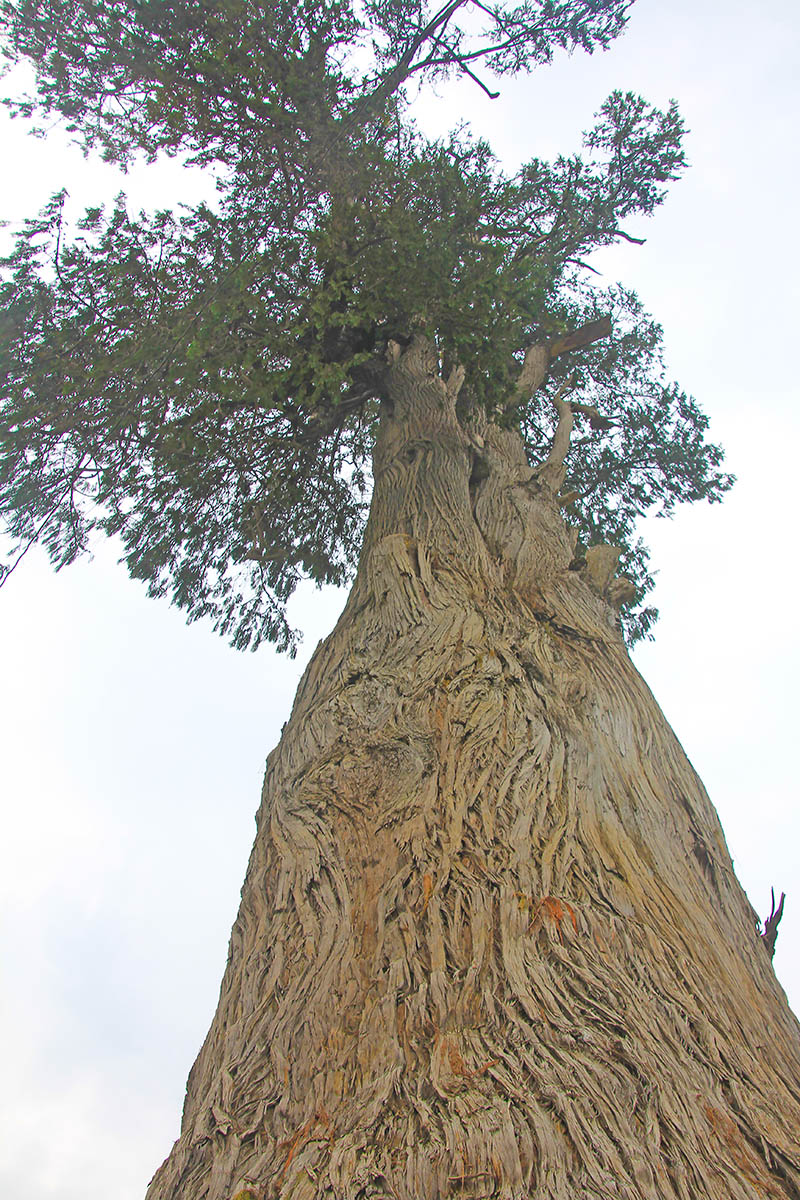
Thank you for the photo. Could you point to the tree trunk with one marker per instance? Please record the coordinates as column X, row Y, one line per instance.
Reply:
column 490, row 942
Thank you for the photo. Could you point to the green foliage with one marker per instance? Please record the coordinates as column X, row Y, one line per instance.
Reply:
column 204, row 383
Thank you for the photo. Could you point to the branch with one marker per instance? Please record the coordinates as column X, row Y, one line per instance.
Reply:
column 578, row 262
column 553, row 469
column 492, row 95
column 495, row 16
column 454, row 58
column 770, row 934
column 592, row 331
column 596, row 419
column 533, row 373
column 539, row 356
column 628, row 238
column 397, row 74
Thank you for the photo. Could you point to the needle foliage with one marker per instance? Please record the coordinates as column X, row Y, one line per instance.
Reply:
column 205, row 382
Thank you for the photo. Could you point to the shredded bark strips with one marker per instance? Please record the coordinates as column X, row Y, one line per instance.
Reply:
column 476, row 954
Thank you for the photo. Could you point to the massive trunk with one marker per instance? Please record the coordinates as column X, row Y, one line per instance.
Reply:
column 490, row 941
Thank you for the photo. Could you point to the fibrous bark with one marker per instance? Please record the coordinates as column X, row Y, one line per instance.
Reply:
column 490, row 942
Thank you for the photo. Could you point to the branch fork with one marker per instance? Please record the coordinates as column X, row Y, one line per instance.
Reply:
column 534, row 372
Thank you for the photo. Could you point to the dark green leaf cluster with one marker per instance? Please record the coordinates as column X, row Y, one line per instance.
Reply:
column 204, row 383
column 167, row 75
column 249, row 83
column 138, row 401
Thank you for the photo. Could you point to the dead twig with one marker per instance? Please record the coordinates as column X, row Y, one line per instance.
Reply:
column 770, row 933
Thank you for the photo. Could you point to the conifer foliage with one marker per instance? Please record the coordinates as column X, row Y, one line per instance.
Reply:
column 205, row 383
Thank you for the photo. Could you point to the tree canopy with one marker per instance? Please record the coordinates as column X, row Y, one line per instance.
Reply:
column 205, row 382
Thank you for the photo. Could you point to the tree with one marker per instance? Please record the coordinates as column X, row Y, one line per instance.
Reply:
column 529, row 643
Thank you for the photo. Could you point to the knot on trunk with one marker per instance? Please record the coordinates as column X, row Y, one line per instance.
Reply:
column 449, row 1074
column 418, row 357
column 599, row 571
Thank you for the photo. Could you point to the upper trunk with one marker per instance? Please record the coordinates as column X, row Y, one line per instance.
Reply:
column 490, row 940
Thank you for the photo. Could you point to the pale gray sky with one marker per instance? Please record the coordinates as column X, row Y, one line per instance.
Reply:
column 133, row 746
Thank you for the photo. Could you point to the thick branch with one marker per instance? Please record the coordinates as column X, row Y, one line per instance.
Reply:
column 554, row 466
column 592, row 331
column 596, row 419
column 539, row 356
column 533, row 373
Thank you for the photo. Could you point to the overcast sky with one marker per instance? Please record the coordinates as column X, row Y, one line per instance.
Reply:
column 133, row 746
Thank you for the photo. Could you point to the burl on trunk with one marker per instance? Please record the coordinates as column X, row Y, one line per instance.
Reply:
column 490, row 942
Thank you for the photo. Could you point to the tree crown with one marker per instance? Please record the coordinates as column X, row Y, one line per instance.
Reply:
column 205, row 382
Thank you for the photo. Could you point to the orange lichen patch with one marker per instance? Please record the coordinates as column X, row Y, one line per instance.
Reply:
column 449, row 1071
column 440, row 715
column 600, row 943
column 427, row 889
column 302, row 1136
column 557, row 910
column 455, row 1061
column 326, row 1121
column 293, row 1143
column 741, row 1153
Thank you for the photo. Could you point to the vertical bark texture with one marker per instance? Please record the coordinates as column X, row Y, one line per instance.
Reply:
column 490, row 942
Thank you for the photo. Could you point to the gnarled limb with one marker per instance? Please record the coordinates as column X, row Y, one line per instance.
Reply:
column 584, row 335
column 534, row 373
column 539, row 356
column 553, row 472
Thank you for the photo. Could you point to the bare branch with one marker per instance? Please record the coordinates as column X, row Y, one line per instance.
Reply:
column 492, row 95
column 596, row 419
column 592, row 331
column 539, row 356
column 396, row 75
column 628, row 238
column 471, row 56
column 770, row 934
column 578, row 262
column 553, row 469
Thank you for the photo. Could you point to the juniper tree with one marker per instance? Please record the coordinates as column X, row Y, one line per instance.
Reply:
column 206, row 383
column 490, row 940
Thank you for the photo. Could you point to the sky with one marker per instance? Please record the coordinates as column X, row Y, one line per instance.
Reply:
column 133, row 745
